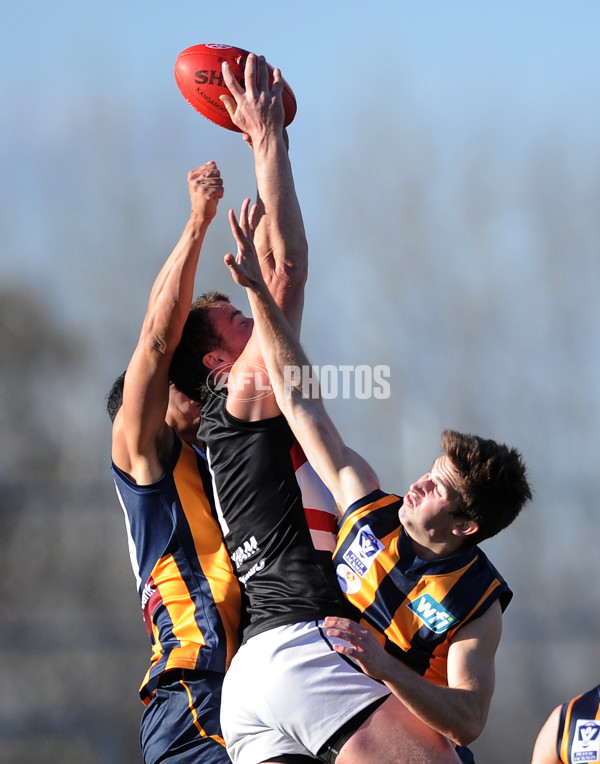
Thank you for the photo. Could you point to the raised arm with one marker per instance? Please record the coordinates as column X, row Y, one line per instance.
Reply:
column 280, row 240
column 141, row 438
column 344, row 472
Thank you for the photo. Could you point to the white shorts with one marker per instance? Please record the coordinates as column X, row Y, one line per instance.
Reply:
column 288, row 691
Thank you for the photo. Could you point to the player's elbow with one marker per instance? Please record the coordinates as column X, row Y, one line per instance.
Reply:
column 161, row 344
column 158, row 343
column 161, row 330
column 469, row 729
column 291, row 259
column 294, row 270
column 287, row 288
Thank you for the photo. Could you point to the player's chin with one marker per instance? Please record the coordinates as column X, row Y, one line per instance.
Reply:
column 193, row 419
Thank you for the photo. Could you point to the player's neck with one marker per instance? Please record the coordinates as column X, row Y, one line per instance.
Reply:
column 436, row 550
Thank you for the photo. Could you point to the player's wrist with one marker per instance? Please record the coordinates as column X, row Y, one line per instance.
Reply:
column 269, row 142
column 200, row 220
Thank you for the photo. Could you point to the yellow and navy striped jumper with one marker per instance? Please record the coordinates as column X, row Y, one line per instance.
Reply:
column 578, row 738
column 415, row 606
column 189, row 594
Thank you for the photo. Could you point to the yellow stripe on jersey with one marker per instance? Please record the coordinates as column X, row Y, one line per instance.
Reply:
column 211, row 549
column 180, row 606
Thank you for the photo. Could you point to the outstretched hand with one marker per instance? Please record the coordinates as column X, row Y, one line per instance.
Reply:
column 205, row 186
column 255, row 108
column 363, row 646
column 244, row 266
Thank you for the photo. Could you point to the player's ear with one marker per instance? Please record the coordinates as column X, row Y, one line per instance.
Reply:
column 212, row 359
column 465, row 527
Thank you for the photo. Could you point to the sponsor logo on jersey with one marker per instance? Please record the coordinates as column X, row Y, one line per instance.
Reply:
column 433, row 615
column 349, row 582
column 586, row 742
column 363, row 550
column 244, row 552
column 150, row 600
column 257, row 567
column 147, row 592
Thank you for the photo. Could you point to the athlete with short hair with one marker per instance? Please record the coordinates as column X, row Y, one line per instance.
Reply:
column 410, row 565
column 189, row 596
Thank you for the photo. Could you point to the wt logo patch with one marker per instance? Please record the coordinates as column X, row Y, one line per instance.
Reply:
column 362, row 552
column 586, row 745
column 433, row 615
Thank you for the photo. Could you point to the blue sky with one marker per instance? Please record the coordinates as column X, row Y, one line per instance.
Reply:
column 521, row 65
column 534, row 57
column 526, row 67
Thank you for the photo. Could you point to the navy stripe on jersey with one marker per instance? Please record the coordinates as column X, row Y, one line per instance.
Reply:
column 189, row 596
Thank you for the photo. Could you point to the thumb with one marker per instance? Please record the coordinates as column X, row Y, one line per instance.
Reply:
column 234, row 269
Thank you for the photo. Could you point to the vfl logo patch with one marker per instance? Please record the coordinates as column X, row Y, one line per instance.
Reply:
column 586, row 744
column 433, row 615
column 362, row 552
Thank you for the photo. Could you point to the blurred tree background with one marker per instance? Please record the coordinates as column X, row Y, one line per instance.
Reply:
column 469, row 266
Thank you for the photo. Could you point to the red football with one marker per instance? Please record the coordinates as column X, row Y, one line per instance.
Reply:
column 199, row 78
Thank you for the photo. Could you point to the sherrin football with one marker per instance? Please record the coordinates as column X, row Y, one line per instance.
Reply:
column 200, row 79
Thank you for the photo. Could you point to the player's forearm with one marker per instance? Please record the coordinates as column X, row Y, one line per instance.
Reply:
column 279, row 344
column 303, row 408
column 172, row 292
column 458, row 714
column 280, row 238
column 277, row 197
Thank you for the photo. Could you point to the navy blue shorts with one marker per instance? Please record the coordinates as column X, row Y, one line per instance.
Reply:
column 181, row 723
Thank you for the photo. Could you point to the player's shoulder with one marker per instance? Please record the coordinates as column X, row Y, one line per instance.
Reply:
column 143, row 465
column 375, row 503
